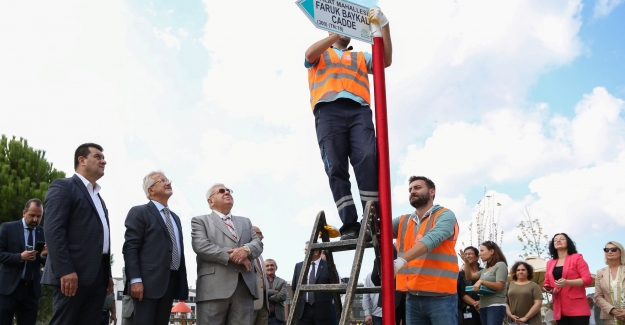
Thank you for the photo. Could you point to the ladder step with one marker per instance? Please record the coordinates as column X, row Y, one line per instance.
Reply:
column 339, row 246
column 340, row 288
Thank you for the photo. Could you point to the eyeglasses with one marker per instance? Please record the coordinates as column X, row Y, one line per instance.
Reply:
column 611, row 249
column 162, row 180
column 222, row 191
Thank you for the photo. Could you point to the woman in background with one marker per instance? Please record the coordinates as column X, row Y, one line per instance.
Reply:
column 468, row 301
column 566, row 276
column 523, row 298
column 610, row 283
column 494, row 276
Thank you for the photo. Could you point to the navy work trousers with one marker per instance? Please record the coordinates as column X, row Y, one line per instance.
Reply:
column 345, row 133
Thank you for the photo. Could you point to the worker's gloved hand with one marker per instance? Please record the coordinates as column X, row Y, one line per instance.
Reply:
column 399, row 263
column 376, row 14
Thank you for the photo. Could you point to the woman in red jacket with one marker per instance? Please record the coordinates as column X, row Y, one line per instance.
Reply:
column 567, row 275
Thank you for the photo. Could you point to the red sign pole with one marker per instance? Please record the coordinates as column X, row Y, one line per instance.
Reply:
column 384, row 179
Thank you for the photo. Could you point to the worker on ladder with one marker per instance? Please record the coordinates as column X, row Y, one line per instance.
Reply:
column 427, row 265
column 339, row 97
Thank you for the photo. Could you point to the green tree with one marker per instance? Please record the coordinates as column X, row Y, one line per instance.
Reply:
column 25, row 174
column 532, row 237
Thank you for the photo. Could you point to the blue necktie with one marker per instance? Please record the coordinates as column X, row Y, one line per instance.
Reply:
column 30, row 265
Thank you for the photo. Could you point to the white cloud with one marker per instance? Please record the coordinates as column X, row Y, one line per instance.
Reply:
column 604, row 7
column 165, row 35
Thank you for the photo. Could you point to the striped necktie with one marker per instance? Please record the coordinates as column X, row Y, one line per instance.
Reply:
column 175, row 255
column 230, row 225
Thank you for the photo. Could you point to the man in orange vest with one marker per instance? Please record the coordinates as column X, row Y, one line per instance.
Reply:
column 339, row 97
column 427, row 266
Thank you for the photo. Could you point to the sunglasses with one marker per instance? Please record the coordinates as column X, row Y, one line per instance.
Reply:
column 222, row 191
column 611, row 249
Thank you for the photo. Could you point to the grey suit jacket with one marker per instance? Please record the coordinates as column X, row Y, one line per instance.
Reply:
column 260, row 277
column 277, row 299
column 74, row 233
column 217, row 277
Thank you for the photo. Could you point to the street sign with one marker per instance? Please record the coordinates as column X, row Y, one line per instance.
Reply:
column 339, row 16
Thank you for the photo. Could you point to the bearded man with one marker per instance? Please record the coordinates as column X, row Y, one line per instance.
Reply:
column 426, row 267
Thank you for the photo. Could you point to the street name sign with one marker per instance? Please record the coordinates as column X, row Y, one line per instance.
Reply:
column 340, row 17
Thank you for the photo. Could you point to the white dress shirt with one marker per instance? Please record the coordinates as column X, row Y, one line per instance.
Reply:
column 316, row 267
column 370, row 300
column 26, row 243
column 93, row 192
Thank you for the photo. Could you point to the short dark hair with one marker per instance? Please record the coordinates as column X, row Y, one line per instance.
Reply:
column 530, row 270
column 36, row 202
column 427, row 181
column 570, row 246
column 83, row 151
column 475, row 250
column 498, row 255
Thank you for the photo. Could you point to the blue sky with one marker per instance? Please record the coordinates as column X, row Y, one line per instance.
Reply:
column 521, row 99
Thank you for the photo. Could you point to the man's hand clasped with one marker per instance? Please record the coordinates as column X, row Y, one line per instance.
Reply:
column 239, row 256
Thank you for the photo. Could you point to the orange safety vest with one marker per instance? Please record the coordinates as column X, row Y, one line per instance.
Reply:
column 332, row 74
column 437, row 270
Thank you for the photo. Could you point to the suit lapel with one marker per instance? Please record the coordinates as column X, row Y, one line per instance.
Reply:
column 321, row 268
column 157, row 215
column 566, row 266
column 106, row 211
column 238, row 227
column 221, row 225
column 83, row 188
column 20, row 229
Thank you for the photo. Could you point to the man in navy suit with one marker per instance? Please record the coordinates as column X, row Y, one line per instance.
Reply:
column 20, row 271
column 78, row 240
column 154, row 254
column 314, row 308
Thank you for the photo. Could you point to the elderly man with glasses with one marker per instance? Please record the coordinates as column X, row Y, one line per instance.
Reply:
column 154, row 254
column 226, row 246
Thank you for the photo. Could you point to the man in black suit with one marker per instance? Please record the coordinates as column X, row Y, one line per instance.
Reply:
column 77, row 233
column 20, row 269
column 154, row 254
column 314, row 308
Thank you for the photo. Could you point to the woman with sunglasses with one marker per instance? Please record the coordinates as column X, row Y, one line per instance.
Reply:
column 523, row 297
column 566, row 276
column 609, row 285
column 493, row 277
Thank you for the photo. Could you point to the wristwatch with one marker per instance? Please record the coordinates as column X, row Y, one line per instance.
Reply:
column 247, row 249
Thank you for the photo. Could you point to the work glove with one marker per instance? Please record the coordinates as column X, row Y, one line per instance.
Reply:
column 376, row 15
column 398, row 264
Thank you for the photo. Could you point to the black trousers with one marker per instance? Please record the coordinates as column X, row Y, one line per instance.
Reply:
column 156, row 311
column 21, row 303
column 573, row 320
column 84, row 308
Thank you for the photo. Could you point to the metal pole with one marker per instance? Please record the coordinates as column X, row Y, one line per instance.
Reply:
column 384, row 179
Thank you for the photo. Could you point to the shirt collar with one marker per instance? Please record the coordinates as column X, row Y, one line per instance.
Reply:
column 24, row 223
column 158, row 205
column 88, row 184
column 428, row 213
column 221, row 215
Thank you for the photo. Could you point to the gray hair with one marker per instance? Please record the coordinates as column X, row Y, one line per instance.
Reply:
column 272, row 260
column 620, row 247
column 210, row 190
column 148, row 182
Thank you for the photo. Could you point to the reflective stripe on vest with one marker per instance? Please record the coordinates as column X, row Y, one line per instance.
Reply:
column 332, row 74
column 435, row 271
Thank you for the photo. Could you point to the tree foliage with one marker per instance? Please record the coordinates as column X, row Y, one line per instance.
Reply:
column 24, row 174
column 532, row 237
